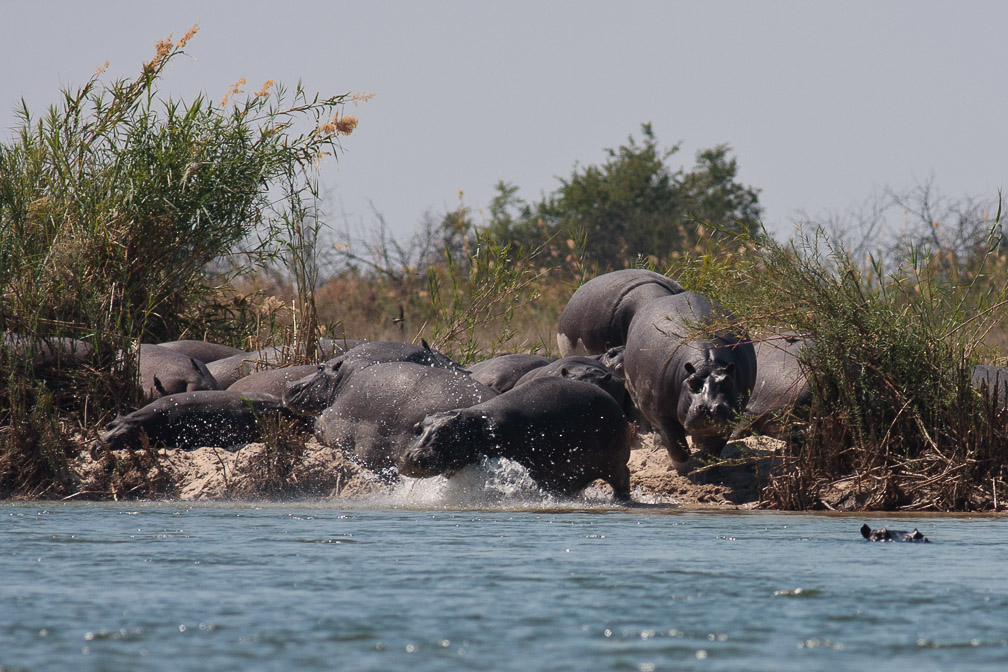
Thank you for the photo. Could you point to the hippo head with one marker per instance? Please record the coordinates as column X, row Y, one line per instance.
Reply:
column 121, row 432
column 443, row 443
column 315, row 392
column 709, row 399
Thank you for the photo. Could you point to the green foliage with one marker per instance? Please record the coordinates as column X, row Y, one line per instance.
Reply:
column 632, row 205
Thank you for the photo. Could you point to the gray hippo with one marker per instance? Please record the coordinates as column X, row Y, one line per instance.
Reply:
column 566, row 433
column 203, row 351
column 598, row 315
column 781, row 388
column 334, row 347
column 502, row 372
column 884, row 534
column 588, row 370
column 272, row 381
column 229, row 369
column 687, row 376
column 193, row 419
column 164, row 371
column 373, row 416
column 313, row 393
column 991, row 380
column 47, row 349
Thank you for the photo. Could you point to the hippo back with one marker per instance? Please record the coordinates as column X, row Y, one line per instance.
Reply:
column 588, row 370
column 164, row 372
column 271, row 381
column 598, row 315
column 502, row 372
column 203, row 351
column 781, row 386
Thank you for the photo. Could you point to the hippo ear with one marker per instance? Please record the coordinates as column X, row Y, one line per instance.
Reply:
column 418, row 429
column 865, row 531
column 690, row 369
column 607, row 377
column 195, row 366
column 426, row 346
column 730, row 369
column 159, row 386
column 564, row 372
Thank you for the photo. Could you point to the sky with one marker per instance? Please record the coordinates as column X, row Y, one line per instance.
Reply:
column 822, row 103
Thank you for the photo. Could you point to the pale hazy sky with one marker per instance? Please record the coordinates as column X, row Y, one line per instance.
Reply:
column 822, row 102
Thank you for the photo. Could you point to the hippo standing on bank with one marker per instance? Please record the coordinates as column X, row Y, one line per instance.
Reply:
column 194, row 419
column 373, row 414
column 781, row 388
column 313, row 393
column 164, row 371
column 687, row 383
column 566, row 433
column 502, row 372
column 598, row 315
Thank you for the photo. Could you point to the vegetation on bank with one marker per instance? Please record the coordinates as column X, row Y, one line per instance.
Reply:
column 125, row 217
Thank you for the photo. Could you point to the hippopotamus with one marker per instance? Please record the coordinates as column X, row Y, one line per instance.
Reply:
column 598, row 315
column 334, row 347
column 566, row 433
column 193, row 419
column 502, row 372
column 229, row 369
column 884, row 534
column 685, row 374
column 313, row 393
column 990, row 379
column 589, row 370
column 781, row 387
column 373, row 416
column 47, row 349
column 612, row 359
column 272, row 381
column 203, row 351
column 164, row 372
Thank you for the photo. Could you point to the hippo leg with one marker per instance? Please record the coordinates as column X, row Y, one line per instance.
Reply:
column 713, row 445
column 620, row 483
column 674, row 437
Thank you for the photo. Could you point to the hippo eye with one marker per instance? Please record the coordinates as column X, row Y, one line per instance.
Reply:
column 417, row 429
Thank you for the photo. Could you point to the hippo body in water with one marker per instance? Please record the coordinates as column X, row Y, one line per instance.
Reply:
column 502, row 372
column 164, row 371
column 317, row 391
column 566, row 433
column 686, row 374
column 194, row 419
column 885, row 534
column 598, row 315
column 373, row 415
column 203, row 351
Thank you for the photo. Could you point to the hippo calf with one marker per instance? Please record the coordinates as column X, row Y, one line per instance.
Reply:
column 687, row 375
column 194, row 419
column 884, row 534
column 566, row 433
column 598, row 315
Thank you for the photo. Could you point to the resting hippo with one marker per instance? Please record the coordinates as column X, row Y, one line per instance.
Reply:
column 377, row 407
column 201, row 350
column 588, row 370
column 781, row 386
column 44, row 350
column 683, row 384
column 502, row 372
column 272, row 381
column 313, row 393
column 164, row 372
column 883, row 534
column 567, row 433
column 194, row 419
column 990, row 379
column 230, row 369
column 599, row 313
column 334, row 347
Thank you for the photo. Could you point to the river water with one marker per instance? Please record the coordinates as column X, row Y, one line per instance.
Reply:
column 176, row 586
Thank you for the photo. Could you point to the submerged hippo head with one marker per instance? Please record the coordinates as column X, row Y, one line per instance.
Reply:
column 443, row 443
column 709, row 401
column 315, row 392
